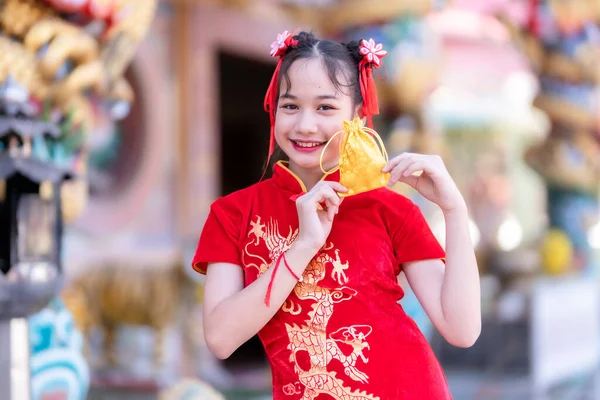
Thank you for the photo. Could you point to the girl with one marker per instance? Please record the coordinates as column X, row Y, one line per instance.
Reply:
column 316, row 277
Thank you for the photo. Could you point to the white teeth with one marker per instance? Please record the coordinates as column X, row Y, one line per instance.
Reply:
column 300, row 144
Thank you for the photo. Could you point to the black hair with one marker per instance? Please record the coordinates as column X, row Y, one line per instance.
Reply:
column 340, row 59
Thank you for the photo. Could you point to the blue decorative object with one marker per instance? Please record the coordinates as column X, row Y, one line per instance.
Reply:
column 58, row 367
column 574, row 213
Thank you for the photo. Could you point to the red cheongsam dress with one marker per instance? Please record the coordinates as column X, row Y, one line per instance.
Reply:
column 341, row 333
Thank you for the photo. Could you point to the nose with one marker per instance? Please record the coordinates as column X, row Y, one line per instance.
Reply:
column 306, row 123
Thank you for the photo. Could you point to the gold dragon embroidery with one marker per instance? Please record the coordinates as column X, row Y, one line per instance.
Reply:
column 276, row 243
column 311, row 338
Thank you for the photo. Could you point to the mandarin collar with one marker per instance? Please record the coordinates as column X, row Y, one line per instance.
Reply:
column 289, row 182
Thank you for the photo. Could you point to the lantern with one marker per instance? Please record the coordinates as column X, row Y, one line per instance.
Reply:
column 30, row 232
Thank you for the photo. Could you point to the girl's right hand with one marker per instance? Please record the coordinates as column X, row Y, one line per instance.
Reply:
column 314, row 221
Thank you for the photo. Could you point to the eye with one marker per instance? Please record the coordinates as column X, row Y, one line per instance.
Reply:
column 289, row 106
column 325, row 108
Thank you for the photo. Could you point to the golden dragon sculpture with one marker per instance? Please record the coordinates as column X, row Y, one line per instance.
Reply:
column 69, row 61
column 70, row 58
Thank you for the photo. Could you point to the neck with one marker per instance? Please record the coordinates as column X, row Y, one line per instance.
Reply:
column 309, row 177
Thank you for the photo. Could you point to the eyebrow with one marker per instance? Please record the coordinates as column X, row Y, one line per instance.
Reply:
column 321, row 97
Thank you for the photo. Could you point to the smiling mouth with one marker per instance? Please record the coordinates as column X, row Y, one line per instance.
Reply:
column 308, row 144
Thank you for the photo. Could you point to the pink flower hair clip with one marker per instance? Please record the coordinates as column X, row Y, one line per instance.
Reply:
column 284, row 40
column 372, row 52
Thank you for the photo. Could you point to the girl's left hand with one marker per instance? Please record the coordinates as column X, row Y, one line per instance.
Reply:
column 434, row 183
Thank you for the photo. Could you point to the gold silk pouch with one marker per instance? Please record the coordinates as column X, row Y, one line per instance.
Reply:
column 362, row 157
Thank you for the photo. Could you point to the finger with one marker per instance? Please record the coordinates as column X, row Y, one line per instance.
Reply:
column 394, row 162
column 411, row 180
column 398, row 171
column 390, row 165
column 331, row 211
column 326, row 191
column 333, row 201
column 401, row 167
column 330, row 206
column 330, row 198
column 335, row 209
column 426, row 165
column 418, row 165
column 336, row 186
column 327, row 201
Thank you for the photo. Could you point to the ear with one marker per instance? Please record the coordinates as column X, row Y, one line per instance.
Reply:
column 358, row 112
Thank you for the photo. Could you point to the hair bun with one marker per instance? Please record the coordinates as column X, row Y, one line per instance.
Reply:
column 305, row 37
column 354, row 49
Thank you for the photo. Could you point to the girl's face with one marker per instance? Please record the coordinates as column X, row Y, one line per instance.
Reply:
column 309, row 113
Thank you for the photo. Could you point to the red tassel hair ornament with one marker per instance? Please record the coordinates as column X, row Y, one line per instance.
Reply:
column 278, row 49
column 372, row 54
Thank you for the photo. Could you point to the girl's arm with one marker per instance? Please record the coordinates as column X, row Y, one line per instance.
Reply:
column 233, row 314
column 450, row 294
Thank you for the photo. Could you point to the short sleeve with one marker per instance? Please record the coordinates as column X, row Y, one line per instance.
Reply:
column 219, row 240
column 414, row 241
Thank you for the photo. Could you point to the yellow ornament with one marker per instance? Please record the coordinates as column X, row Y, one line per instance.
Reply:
column 556, row 252
column 362, row 158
